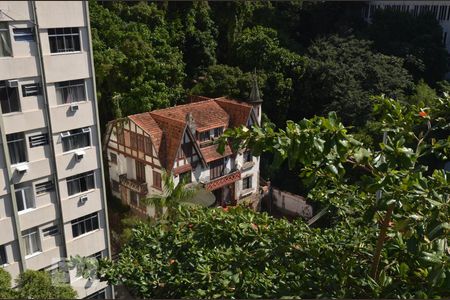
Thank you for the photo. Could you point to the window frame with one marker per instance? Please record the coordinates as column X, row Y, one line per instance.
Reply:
column 3, row 255
column 75, row 38
column 9, row 98
column 28, row 204
column 94, row 220
column 247, row 182
column 216, row 168
column 8, row 38
column 157, row 180
column 15, row 142
column 73, row 135
column 78, row 178
column 69, row 87
column 28, row 244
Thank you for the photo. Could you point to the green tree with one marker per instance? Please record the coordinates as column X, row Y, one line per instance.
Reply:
column 418, row 40
column 224, row 80
column 5, row 285
column 172, row 197
column 135, row 60
column 281, row 69
column 197, row 32
column 35, row 285
column 393, row 245
column 342, row 73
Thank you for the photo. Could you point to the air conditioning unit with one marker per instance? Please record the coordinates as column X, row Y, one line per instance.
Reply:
column 83, row 199
column 13, row 83
column 22, row 168
column 79, row 155
column 74, row 107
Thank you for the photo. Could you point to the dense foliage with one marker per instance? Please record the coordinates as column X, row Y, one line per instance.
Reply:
column 310, row 57
column 34, row 285
column 416, row 39
column 388, row 230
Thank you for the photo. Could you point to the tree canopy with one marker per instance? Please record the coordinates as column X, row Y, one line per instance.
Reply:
column 387, row 235
column 34, row 285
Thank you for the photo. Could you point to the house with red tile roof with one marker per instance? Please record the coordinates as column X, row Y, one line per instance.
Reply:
column 182, row 140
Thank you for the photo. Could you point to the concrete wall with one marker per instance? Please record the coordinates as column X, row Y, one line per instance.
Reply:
column 291, row 204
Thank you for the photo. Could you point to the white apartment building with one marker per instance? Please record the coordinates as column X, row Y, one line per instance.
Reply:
column 440, row 9
column 52, row 200
column 181, row 140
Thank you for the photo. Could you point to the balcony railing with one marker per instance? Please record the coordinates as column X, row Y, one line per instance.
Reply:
column 222, row 181
column 133, row 184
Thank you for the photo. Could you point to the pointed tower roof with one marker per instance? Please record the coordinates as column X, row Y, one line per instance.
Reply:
column 255, row 95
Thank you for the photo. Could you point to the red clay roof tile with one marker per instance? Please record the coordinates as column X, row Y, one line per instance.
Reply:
column 167, row 126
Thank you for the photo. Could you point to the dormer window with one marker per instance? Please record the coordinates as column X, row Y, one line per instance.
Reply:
column 218, row 131
column 203, row 136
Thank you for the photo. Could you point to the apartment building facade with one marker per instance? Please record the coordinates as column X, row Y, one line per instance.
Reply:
column 181, row 141
column 440, row 9
column 52, row 200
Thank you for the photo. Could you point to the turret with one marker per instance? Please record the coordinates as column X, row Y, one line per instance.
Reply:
column 255, row 98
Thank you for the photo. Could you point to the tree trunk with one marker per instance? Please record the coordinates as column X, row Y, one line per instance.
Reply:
column 380, row 242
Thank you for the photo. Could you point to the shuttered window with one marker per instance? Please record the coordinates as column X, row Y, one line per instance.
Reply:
column 38, row 140
column 45, row 187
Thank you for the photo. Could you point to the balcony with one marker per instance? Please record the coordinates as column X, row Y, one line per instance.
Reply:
column 134, row 185
column 222, row 181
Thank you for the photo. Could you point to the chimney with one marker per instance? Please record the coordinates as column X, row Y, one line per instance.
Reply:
column 191, row 123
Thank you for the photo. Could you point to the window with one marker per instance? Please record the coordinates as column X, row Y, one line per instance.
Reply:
column 248, row 156
column 70, row 91
column 5, row 42
column 80, row 183
column 17, row 147
column 186, row 177
column 50, row 231
column 45, row 187
column 148, row 146
column 32, row 89
column 85, row 224
column 247, row 183
column 134, row 198
column 24, row 198
column 115, row 186
column 204, row 136
column 9, row 98
column 3, row 258
column 140, row 171
column 133, row 140
column 31, row 241
column 113, row 158
column 38, row 140
column 76, row 138
column 140, row 142
column 157, row 180
column 218, row 131
column 23, row 34
column 64, row 39
column 216, row 168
